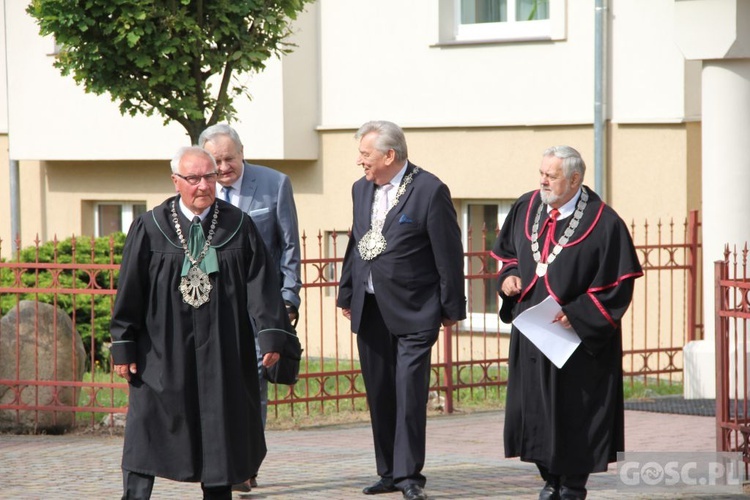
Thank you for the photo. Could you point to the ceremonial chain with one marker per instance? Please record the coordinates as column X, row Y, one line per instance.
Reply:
column 541, row 267
column 196, row 286
column 373, row 242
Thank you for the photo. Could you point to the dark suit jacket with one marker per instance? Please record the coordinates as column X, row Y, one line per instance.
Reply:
column 419, row 278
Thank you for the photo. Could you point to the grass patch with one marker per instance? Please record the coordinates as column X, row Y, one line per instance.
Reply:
column 322, row 398
column 644, row 388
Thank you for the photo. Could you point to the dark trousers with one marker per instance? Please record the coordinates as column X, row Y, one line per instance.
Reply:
column 396, row 372
column 139, row 486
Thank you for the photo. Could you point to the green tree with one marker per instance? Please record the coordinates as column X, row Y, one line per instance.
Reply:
column 175, row 57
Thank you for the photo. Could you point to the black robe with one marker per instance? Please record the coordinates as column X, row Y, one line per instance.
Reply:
column 569, row 420
column 194, row 410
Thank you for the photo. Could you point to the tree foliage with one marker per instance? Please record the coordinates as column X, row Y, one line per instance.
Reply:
column 175, row 57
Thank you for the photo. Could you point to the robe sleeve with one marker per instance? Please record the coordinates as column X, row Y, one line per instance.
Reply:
column 265, row 303
column 127, row 323
column 596, row 314
column 504, row 250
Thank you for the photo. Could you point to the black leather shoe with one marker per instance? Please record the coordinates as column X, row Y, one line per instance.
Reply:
column 385, row 485
column 242, row 487
column 414, row 492
column 551, row 491
column 567, row 493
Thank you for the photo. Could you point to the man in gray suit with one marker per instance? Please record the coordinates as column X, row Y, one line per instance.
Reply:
column 266, row 196
column 402, row 279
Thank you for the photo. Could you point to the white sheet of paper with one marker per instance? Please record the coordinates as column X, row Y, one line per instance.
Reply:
column 555, row 341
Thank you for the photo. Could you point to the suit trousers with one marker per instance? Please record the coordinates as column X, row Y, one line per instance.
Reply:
column 396, row 372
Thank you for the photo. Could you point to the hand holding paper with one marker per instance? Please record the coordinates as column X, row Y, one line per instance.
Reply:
column 540, row 325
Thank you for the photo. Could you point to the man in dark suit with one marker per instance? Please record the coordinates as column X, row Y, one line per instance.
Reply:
column 402, row 279
column 266, row 196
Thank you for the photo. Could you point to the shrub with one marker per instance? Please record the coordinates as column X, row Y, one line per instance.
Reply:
column 90, row 312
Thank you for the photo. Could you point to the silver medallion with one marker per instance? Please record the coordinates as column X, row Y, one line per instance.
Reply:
column 541, row 268
column 195, row 287
column 372, row 244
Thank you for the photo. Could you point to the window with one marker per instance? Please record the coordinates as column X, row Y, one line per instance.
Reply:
column 115, row 217
column 480, row 221
column 481, row 21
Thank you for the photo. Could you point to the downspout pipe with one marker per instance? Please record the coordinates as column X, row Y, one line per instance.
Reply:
column 600, row 95
column 15, row 207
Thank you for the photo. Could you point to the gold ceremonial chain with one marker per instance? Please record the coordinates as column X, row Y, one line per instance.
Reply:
column 541, row 267
column 196, row 286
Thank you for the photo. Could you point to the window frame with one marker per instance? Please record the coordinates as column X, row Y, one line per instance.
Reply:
column 489, row 321
column 127, row 209
column 452, row 32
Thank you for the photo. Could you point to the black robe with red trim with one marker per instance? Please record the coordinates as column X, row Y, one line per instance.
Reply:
column 569, row 420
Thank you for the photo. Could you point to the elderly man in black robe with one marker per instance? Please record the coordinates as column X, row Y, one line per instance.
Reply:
column 563, row 241
column 192, row 268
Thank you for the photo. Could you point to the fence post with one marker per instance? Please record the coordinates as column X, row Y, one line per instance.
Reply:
column 448, row 372
column 722, row 356
column 692, row 284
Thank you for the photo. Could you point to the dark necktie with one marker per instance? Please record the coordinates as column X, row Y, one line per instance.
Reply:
column 227, row 190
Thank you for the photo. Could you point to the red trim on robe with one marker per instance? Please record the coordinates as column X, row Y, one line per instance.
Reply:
column 602, row 310
column 619, row 280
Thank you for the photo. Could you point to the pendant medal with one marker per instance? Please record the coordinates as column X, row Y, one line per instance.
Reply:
column 371, row 245
column 541, row 268
column 195, row 287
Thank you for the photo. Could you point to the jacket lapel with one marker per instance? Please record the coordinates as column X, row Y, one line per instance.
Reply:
column 249, row 186
column 395, row 211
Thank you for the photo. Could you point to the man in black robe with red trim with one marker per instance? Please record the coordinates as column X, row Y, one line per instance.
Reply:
column 563, row 241
column 191, row 270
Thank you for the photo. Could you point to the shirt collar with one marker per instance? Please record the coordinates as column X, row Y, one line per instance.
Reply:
column 187, row 213
column 567, row 209
column 396, row 181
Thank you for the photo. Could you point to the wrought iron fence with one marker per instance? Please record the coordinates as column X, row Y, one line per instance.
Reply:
column 469, row 360
column 732, row 286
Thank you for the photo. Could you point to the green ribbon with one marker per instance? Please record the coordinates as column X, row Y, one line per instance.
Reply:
column 196, row 240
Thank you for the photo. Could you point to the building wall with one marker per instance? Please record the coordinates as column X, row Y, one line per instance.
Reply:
column 52, row 118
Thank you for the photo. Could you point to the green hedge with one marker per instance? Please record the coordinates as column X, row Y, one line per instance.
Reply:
column 78, row 306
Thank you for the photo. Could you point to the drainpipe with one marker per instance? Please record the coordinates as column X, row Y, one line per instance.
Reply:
column 15, row 211
column 600, row 95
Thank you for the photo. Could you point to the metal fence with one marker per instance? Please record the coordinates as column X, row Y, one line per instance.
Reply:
column 732, row 286
column 469, row 360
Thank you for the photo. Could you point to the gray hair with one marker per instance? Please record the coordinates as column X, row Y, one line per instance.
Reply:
column 390, row 136
column 191, row 150
column 571, row 160
column 217, row 130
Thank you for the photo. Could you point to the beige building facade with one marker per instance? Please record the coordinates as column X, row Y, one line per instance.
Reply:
column 479, row 88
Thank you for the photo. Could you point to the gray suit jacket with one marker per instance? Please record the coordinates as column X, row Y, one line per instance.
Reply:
column 266, row 196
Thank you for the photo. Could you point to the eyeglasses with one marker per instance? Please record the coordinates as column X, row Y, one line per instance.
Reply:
column 194, row 180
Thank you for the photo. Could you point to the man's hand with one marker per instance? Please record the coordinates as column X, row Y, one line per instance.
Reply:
column 124, row 371
column 270, row 359
column 347, row 313
column 448, row 322
column 511, row 286
column 292, row 312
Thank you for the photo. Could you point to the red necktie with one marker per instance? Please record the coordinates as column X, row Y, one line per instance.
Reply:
column 552, row 221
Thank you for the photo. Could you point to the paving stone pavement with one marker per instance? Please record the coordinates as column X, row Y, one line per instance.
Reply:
column 464, row 461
